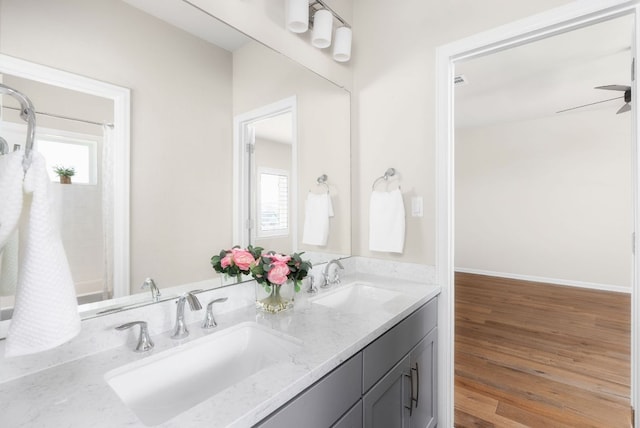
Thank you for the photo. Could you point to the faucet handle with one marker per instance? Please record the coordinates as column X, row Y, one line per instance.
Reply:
column 209, row 320
column 151, row 285
column 144, row 341
column 312, row 288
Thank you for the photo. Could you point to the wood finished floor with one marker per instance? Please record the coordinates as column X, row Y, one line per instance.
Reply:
column 538, row 355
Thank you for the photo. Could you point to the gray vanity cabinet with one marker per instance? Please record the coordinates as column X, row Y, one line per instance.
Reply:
column 389, row 384
column 385, row 404
column 324, row 403
column 397, row 400
column 353, row 418
column 399, row 373
column 424, row 369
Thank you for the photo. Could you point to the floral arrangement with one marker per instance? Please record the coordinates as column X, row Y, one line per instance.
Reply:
column 236, row 261
column 273, row 269
column 269, row 269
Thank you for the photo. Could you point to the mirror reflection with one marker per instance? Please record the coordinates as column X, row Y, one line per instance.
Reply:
column 188, row 80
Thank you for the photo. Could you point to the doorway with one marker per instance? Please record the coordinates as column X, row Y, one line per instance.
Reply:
column 265, row 176
column 543, row 189
column 536, row 28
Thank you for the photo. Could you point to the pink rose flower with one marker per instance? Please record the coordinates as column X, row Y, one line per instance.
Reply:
column 226, row 261
column 242, row 258
column 278, row 273
column 281, row 258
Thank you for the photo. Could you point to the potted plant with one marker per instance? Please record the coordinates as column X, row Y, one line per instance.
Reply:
column 64, row 173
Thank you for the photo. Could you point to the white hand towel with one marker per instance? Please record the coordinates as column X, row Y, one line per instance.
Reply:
column 317, row 210
column 386, row 221
column 9, row 266
column 11, row 176
column 46, row 309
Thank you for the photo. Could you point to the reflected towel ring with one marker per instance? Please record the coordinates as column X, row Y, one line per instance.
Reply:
column 388, row 173
column 27, row 113
column 322, row 181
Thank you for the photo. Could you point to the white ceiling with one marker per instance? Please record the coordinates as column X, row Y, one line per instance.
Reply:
column 189, row 18
column 538, row 79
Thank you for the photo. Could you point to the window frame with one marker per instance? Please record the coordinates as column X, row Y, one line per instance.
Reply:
column 261, row 233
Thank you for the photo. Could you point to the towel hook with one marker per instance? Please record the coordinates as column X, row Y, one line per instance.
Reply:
column 390, row 172
column 322, row 180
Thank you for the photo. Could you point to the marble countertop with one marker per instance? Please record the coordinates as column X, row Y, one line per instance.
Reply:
column 75, row 394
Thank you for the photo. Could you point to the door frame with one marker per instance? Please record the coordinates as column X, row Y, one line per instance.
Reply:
column 242, row 168
column 121, row 97
column 556, row 21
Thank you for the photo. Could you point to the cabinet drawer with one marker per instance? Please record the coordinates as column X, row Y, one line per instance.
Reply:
column 323, row 403
column 353, row 418
column 380, row 356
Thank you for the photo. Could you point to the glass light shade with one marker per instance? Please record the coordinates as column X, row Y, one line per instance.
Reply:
column 322, row 28
column 342, row 45
column 297, row 15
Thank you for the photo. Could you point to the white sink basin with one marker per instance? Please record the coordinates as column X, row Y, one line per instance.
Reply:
column 357, row 298
column 162, row 386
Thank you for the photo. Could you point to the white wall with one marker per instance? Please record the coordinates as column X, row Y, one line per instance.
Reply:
column 393, row 112
column 181, row 121
column 547, row 198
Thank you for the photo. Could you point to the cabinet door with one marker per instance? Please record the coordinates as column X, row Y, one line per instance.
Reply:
column 423, row 370
column 384, row 404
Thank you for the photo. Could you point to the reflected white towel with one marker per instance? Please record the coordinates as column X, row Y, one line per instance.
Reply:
column 9, row 266
column 11, row 196
column 317, row 210
column 46, row 309
column 386, row 221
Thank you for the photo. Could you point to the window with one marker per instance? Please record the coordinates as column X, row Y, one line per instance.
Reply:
column 59, row 150
column 273, row 202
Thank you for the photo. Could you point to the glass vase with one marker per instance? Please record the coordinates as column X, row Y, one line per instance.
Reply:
column 275, row 298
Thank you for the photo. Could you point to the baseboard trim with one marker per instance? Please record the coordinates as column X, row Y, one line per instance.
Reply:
column 570, row 283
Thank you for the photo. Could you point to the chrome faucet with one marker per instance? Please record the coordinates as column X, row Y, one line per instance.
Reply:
column 209, row 320
column 151, row 284
column 144, row 341
column 328, row 281
column 180, row 330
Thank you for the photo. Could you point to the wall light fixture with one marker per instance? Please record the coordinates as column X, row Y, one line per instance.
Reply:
column 316, row 14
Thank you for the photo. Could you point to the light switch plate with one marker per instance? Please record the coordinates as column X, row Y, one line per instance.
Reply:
column 416, row 206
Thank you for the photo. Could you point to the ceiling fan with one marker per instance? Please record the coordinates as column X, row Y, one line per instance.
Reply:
column 627, row 98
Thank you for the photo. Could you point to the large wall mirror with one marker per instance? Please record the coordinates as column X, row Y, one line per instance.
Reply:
column 189, row 76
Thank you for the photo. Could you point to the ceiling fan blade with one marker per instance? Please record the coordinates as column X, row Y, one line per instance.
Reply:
column 614, row 87
column 624, row 108
column 587, row 105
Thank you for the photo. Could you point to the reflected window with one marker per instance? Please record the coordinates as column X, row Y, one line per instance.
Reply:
column 273, row 202
column 79, row 154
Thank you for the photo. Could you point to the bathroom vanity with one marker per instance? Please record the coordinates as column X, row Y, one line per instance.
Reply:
column 390, row 383
column 342, row 364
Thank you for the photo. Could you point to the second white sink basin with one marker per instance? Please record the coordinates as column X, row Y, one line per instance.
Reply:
column 357, row 298
column 162, row 386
